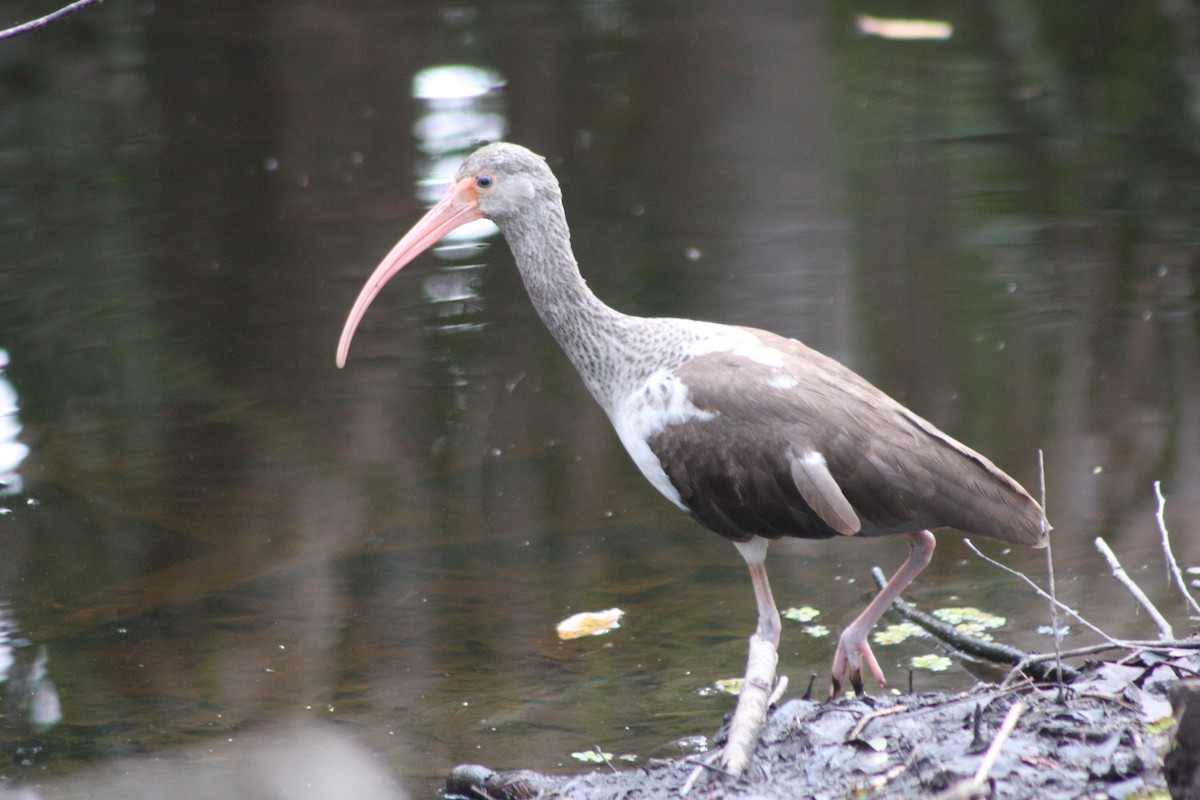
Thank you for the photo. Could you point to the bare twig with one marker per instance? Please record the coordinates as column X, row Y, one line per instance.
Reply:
column 42, row 22
column 993, row 752
column 1172, row 564
column 1064, row 607
column 867, row 719
column 694, row 776
column 707, row 762
column 605, row 757
column 1055, row 627
column 1123, row 578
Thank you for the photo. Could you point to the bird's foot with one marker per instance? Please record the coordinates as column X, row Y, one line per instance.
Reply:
column 852, row 651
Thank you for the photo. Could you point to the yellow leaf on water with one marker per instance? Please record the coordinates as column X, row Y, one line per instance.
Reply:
column 969, row 619
column 932, row 662
column 894, row 634
column 802, row 614
column 589, row 623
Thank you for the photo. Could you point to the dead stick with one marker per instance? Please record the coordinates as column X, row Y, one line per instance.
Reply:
column 1123, row 578
column 605, row 757
column 867, row 719
column 993, row 752
column 1172, row 564
column 1055, row 628
column 702, row 764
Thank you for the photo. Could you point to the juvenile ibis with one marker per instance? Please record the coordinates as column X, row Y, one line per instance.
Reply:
column 755, row 435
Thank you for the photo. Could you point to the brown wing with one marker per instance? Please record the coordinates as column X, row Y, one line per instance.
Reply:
column 738, row 471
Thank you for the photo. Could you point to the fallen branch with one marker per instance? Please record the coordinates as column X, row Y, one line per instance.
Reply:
column 1118, row 572
column 973, row 645
column 751, row 711
column 759, row 691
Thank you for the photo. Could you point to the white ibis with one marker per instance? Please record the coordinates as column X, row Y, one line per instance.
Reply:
column 756, row 436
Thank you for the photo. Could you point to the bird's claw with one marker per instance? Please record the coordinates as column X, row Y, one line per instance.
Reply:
column 852, row 651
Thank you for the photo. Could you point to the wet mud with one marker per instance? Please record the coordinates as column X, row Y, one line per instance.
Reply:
column 1125, row 728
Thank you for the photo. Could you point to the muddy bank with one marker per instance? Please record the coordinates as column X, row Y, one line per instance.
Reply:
column 1109, row 733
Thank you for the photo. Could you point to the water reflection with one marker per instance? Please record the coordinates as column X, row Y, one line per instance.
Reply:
column 464, row 105
column 28, row 691
column 12, row 452
column 301, row 760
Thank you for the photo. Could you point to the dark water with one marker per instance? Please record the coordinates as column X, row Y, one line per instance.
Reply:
column 212, row 537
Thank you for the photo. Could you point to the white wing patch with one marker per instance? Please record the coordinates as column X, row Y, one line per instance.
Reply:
column 782, row 380
column 741, row 343
column 645, row 412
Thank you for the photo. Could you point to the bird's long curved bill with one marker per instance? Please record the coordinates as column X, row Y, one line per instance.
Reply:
column 459, row 206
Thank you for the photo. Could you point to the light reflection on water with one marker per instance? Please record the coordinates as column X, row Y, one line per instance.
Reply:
column 463, row 105
column 12, row 451
column 28, row 694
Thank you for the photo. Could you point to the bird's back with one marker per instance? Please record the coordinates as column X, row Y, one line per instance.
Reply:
column 783, row 441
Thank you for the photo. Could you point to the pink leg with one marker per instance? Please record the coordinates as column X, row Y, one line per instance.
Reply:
column 751, row 711
column 769, row 625
column 853, row 649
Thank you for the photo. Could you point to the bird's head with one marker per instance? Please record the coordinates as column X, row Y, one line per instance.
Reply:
column 497, row 182
column 502, row 179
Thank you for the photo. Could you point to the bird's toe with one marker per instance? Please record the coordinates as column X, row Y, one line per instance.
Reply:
column 852, row 652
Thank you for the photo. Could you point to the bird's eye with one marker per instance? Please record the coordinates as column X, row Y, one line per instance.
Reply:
column 484, row 182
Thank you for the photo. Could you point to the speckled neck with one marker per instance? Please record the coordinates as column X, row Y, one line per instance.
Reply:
column 610, row 350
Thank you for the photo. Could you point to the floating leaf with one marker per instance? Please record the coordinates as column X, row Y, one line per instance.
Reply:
column 970, row 621
column 802, row 614
column 589, row 623
column 895, row 634
column 816, row 631
column 974, row 629
column 592, row 756
column 932, row 662
column 731, row 686
column 954, row 616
